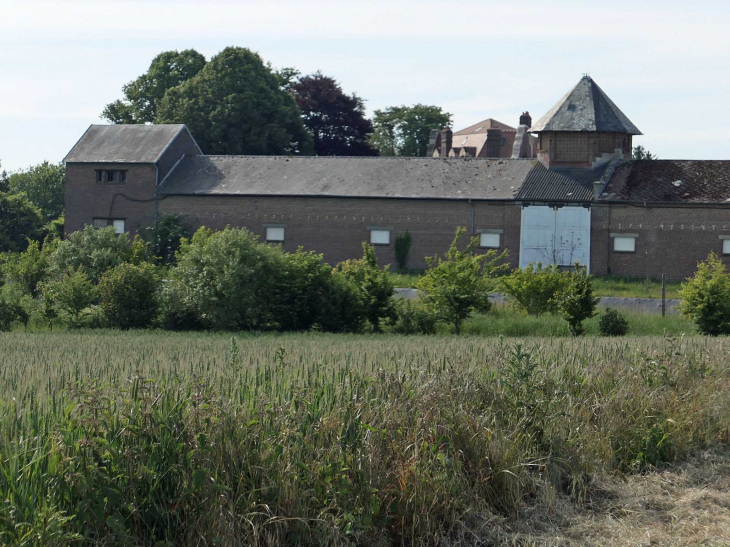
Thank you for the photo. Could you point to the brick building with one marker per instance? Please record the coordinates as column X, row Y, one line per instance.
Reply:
column 567, row 191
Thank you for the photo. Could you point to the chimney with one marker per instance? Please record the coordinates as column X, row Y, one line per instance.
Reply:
column 447, row 137
column 526, row 119
column 433, row 142
column 597, row 188
column 494, row 142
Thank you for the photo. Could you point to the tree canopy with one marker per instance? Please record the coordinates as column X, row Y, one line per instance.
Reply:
column 20, row 220
column 142, row 95
column 405, row 130
column 44, row 185
column 236, row 105
column 641, row 153
column 335, row 119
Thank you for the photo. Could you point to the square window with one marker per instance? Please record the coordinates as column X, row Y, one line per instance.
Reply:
column 118, row 226
column 101, row 223
column 726, row 246
column 380, row 237
column 99, row 176
column 624, row 244
column 274, row 234
column 111, row 176
column 489, row 240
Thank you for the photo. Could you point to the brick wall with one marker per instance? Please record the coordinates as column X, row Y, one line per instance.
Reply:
column 671, row 240
column 579, row 149
column 337, row 227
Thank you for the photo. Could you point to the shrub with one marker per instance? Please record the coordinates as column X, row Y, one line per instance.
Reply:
column 403, row 244
column 460, row 283
column 413, row 318
column 343, row 309
column 128, row 295
column 27, row 269
column 534, row 288
column 375, row 287
column 70, row 296
column 96, row 250
column 613, row 323
column 706, row 297
column 10, row 312
column 576, row 302
column 165, row 238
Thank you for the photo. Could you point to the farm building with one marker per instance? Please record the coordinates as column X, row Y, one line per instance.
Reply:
column 566, row 191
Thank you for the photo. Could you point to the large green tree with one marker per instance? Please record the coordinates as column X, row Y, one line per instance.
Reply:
column 335, row 119
column 142, row 95
column 44, row 185
column 20, row 220
column 405, row 130
column 236, row 105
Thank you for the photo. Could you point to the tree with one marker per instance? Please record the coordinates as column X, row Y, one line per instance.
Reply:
column 575, row 302
column 44, row 184
column 20, row 221
column 4, row 186
column 70, row 295
column 235, row 105
column 534, row 288
column 706, row 297
column 405, row 130
column 640, row 153
column 128, row 295
column 459, row 283
column 165, row 237
column 335, row 120
column 403, row 243
column 27, row 269
column 143, row 95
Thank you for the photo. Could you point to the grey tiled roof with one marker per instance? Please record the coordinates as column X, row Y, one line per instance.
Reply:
column 123, row 143
column 440, row 178
column 585, row 108
column 543, row 184
column 688, row 181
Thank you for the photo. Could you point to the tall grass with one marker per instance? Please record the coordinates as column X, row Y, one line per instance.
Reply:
column 170, row 439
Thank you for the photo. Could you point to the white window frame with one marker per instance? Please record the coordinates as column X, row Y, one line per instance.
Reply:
column 119, row 225
column 273, row 231
column 488, row 238
column 379, row 235
column 621, row 243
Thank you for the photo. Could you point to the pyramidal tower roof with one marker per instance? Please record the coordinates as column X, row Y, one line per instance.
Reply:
column 585, row 108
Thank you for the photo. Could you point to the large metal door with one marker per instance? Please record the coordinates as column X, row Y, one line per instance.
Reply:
column 559, row 236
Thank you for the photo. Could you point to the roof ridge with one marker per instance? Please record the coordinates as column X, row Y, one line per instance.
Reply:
column 402, row 158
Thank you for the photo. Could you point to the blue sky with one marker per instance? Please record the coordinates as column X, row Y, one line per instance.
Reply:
column 666, row 64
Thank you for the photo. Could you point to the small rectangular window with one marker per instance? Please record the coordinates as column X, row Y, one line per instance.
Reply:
column 111, row 176
column 726, row 246
column 122, row 176
column 118, row 226
column 274, row 234
column 99, row 176
column 624, row 244
column 101, row 222
column 380, row 237
column 489, row 240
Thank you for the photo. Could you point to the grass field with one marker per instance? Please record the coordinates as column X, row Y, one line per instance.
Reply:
column 200, row 439
column 602, row 286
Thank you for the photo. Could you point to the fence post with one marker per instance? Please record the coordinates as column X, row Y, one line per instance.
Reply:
column 664, row 294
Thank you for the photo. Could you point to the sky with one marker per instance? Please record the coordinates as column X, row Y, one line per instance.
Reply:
column 665, row 63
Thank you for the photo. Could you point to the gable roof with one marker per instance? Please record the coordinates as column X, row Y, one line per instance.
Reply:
column 331, row 176
column 688, row 181
column 482, row 127
column 585, row 108
column 543, row 184
column 123, row 143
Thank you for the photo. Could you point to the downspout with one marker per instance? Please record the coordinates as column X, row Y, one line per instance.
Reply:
column 472, row 216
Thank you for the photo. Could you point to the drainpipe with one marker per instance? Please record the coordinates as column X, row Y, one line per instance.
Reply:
column 472, row 216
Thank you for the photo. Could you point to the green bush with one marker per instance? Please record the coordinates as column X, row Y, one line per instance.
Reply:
column 403, row 242
column 706, row 297
column 344, row 309
column 613, row 323
column 70, row 296
column 165, row 238
column 576, row 302
column 11, row 312
column 413, row 318
column 534, row 288
column 459, row 283
column 27, row 269
column 375, row 287
column 128, row 295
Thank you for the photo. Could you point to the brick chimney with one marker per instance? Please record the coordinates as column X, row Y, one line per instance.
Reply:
column 447, row 136
column 526, row 119
column 433, row 142
column 494, row 142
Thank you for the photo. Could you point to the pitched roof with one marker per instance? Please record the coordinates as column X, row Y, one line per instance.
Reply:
column 482, row 127
column 689, row 181
column 123, row 143
column 439, row 178
column 585, row 108
column 543, row 184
